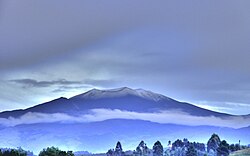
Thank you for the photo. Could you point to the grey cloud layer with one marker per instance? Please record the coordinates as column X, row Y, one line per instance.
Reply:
column 221, row 28
column 191, row 51
column 64, row 84
column 35, row 83
column 106, row 114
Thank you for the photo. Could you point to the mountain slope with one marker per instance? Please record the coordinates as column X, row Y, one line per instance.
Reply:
column 137, row 100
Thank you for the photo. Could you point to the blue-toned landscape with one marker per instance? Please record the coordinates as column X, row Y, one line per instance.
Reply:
column 124, row 78
column 94, row 121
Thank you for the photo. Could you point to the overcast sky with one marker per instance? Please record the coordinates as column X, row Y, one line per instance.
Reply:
column 193, row 51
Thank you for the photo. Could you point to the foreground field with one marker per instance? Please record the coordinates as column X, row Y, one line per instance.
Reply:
column 244, row 152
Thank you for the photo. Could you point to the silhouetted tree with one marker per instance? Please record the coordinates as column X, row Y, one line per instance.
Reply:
column 21, row 152
column 185, row 142
column 157, row 149
column 232, row 148
column 142, row 149
column 237, row 147
column 177, row 143
column 53, row 151
column 223, row 149
column 213, row 143
column 70, row 153
column 13, row 152
column 199, row 146
column 118, row 149
column 62, row 153
column 191, row 151
column 110, row 152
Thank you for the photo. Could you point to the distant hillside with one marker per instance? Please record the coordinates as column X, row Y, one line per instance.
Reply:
column 98, row 137
column 244, row 152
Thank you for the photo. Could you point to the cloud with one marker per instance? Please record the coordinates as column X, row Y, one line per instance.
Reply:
column 225, row 107
column 65, row 28
column 65, row 84
column 35, row 83
column 189, row 51
column 94, row 115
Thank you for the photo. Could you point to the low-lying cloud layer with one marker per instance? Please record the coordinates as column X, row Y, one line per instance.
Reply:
column 94, row 115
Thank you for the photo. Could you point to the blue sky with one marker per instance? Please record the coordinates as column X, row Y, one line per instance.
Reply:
column 196, row 51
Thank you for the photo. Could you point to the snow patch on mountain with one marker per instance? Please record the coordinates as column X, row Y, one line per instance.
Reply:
column 120, row 92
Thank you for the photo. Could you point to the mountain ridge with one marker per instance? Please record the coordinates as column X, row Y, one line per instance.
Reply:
column 123, row 98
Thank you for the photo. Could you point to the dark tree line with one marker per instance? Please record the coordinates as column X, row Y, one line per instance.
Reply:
column 50, row 151
column 222, row 148
column 141, row 150
column 13, row 152
column 191, row 151
column 215, row 147
column 186, row 147
column 53, row 151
